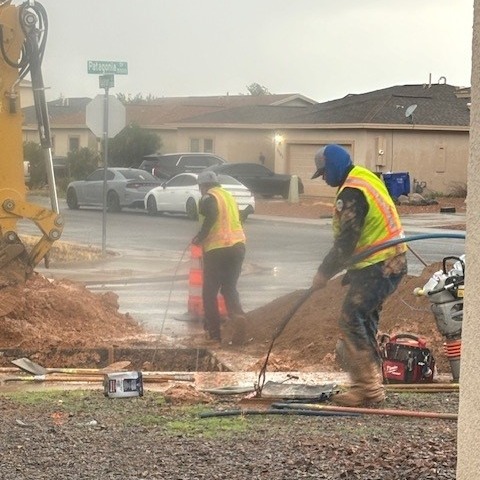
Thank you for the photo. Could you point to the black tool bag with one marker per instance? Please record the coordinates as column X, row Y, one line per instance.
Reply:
column 406, row 359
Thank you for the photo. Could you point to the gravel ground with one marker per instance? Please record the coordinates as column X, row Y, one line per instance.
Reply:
column 83, row 435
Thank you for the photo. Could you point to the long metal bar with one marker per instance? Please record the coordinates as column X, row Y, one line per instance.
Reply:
column 371, row 411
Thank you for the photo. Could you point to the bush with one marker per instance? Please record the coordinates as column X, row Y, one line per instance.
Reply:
column 81, row 163
column 457, row 189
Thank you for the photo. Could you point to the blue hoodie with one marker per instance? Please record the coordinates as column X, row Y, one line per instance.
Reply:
column 337, row 162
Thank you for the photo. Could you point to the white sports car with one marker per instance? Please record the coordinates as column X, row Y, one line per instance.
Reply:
column 181, row 194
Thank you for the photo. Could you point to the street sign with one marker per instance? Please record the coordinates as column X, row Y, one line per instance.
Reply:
column 95, row 112
column 106, row 81
column 101, row 67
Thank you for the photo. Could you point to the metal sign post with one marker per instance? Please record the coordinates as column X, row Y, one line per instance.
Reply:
column 105, row 159
column 106, row 81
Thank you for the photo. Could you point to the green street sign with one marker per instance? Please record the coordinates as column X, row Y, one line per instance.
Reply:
column 100, row 67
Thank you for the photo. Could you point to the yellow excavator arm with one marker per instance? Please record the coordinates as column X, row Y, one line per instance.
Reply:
column 22, row 41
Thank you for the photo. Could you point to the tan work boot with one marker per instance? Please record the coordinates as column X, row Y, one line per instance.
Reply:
column 366, row 377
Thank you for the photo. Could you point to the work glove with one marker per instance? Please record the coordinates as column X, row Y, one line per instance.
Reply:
column 319, row 281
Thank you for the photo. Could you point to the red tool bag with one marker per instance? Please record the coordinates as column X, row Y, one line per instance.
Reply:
column 406, row 359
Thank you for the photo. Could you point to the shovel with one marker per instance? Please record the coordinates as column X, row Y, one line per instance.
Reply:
column 29, row 366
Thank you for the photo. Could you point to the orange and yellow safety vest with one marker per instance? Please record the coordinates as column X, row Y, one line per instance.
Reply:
column 382, row 222
column 227, row 230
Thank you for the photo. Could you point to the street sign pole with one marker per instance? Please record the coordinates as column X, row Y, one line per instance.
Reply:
column 106, row 71
column 105, row 82
column 105, row 169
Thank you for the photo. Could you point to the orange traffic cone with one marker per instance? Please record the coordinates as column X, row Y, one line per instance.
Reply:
column 195, row 285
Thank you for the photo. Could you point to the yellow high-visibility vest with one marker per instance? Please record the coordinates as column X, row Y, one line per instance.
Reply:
column 382, row 222
column 227, row 230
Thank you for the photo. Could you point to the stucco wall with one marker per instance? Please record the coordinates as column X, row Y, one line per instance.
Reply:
column 436, row 158
column 235, row 145
column 61, row 139
column 468, row 465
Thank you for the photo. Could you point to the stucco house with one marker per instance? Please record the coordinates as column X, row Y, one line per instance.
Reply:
column 420, row 129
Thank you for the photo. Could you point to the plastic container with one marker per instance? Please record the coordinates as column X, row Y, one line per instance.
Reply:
column 123, row 384
column 397, row 183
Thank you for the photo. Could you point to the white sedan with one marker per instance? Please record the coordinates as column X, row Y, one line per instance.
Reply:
column 181, row 194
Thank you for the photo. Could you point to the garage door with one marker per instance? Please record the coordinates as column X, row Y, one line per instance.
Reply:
column 300, row 162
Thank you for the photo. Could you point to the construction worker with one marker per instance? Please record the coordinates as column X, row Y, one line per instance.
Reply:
column 223, row 241
column 364, row 216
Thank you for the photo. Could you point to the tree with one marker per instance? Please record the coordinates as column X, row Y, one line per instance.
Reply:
column 127, row 98
column 81, row 163
column 257, row 89
column 33, row 153
column 130, row 145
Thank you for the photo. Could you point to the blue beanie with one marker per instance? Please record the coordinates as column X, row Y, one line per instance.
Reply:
column 337, row 162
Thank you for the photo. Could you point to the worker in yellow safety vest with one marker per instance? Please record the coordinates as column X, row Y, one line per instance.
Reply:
column 223, row 242
column 364, row 216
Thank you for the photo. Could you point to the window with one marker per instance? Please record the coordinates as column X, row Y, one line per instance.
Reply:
column 204, row 145
column 96, row 176
column 182, row 181
column 194, row 144
column 208, row 145
column 73, row 144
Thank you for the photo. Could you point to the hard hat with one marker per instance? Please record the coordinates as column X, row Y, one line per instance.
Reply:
column 207, row 176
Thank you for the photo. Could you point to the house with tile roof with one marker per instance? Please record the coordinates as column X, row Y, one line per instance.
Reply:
column 419, row 129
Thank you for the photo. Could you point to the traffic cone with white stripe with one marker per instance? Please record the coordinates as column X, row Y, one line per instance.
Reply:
column 195, row 285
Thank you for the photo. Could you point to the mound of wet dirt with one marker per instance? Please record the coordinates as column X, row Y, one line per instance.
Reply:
column 308, row 340
column 46, row 314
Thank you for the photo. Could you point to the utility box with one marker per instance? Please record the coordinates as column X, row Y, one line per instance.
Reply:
column 397, row 183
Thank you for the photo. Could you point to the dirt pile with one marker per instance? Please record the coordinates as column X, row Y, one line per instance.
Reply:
column 45, row 314
column 48, row 314
column 308, row 340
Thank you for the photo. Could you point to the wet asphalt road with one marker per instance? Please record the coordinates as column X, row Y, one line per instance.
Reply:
column 150, row 265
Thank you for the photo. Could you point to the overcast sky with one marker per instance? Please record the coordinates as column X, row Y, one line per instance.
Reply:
column 323, row 49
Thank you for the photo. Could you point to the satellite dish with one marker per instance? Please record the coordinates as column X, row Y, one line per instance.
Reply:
column 409, row 111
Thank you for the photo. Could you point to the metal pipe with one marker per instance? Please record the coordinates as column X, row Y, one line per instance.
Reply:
column 423, row 386
column 370, row 411
column 90, row 378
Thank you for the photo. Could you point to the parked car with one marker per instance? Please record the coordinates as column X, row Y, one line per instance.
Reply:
column 259, row 179
column 170, row 164
column 181, row 194
column 126, row 187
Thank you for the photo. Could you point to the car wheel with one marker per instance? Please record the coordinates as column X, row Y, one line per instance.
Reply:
column 152, row 205
column 72, row 200
column 113, row 202
column 245, row 213
column 243, row 216
column 191, row 209
column 286, row 192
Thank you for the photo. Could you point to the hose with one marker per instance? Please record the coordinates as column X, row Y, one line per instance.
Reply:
column 273, row 411
column 168, row 301
column 396, row 241
column 355, row 259
column 261, row 376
